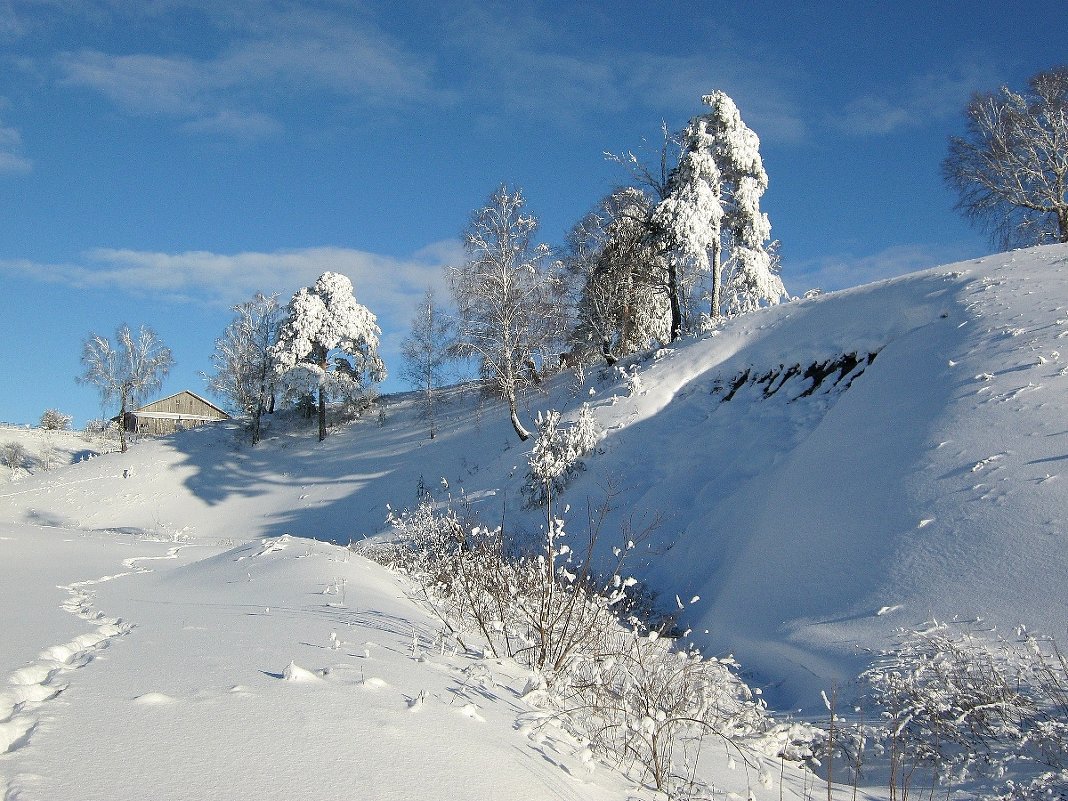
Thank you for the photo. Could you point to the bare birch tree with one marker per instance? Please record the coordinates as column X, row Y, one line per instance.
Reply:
column 244, row 369
column 126, row 370
column 426, row 352
column 506, row 316
column 1011, row 167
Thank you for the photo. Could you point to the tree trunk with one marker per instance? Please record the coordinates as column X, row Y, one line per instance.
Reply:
column 606, row 351
column 1062, row 223
column 513, row 410
column 717, row 277
column 256, row 422
column 322, row 413
column 323, row 354
column 676, row 304
column 122, row 422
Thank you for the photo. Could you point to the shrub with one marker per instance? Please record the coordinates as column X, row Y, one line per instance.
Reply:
column 13, row 455
column 636, row 697
column 974, row 707
column 557, row 454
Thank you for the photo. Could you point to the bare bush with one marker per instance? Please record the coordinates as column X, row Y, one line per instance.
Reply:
column 637, row 698
column 13, row 455
column 976, row 708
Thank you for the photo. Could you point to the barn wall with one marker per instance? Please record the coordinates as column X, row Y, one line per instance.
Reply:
column 183, row 403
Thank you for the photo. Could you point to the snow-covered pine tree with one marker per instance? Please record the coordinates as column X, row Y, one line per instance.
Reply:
column 329, row 340
column 714, row 200
column 752, row 278
column 621, row 303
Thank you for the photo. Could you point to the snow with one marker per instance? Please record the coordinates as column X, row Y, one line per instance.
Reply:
column 170, row 629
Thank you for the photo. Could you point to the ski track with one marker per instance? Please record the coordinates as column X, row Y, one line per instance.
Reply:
column 31, row 687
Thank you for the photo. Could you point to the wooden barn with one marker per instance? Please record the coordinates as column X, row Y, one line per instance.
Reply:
column 173, row 413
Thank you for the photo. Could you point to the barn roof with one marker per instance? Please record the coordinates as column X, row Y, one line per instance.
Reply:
column 175, row 395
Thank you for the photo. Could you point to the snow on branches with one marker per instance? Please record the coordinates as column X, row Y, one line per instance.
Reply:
column 713, row 204
column 329, row 341
column 558, row 452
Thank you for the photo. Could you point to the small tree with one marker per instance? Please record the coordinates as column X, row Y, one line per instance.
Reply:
column 329, row 340
column 508, row 314
column 426, row 352
column 127, row 370
column 13, row 455
column 244, row 368
column 1011, row 167
column 55, row 420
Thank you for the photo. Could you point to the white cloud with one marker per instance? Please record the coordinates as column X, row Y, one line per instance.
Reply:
column 387, row 285
column 11, row 157
column 841, row 271
column 233, row 90
column 933, row 96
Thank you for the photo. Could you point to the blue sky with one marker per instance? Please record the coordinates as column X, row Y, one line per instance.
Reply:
column 161, row 160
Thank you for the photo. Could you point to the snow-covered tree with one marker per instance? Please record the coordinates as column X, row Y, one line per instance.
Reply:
column 55, row 420
column 713, row 203
column 508, row 315
column 426, row 352
column 1011, row 168
column 126, row 370
column 14, row 456
column 621, row 302
column 329, row 341
column 244, row 367
column 557, row 454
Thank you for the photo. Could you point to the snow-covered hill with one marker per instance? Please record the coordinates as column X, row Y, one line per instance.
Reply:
column 820, row 474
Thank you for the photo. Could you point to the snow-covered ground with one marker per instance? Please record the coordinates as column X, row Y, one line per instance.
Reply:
column 820, row 474
column 43, row 450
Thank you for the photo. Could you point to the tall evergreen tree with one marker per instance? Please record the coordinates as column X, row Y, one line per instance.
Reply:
column 713, row 203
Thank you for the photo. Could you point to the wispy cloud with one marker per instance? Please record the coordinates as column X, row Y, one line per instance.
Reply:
column 922, row 99
column 522, row 66
column 498, row 62
column 841, row 271
column 234, row 90
column 11, row 156
column 388, row 285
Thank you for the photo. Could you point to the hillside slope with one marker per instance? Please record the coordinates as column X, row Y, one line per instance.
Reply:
column 820, row 473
